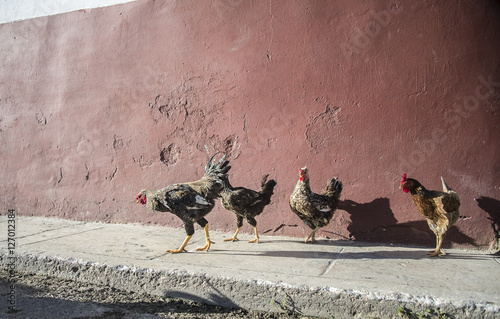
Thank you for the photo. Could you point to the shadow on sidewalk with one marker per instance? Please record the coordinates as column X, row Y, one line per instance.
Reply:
column 413, row 254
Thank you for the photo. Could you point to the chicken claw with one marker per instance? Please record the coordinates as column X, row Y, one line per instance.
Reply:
column 207, row 246
column 436, row 252
column 209, row 242
column 256, row 239
column 181, row 249
column 234, row 238
column 176, row 251
column 312, row 236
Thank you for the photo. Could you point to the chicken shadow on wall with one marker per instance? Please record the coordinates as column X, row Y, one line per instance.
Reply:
column 368, row 219
column 492, row 207
column 375, row 222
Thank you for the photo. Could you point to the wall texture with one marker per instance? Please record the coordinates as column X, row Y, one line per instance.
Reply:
column 96, row 105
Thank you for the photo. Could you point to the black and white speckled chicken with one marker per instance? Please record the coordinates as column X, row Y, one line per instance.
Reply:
column 192, row 201
column 246, row 203
column 314, row 209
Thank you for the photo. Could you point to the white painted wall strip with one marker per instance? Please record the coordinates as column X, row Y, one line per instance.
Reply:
column 15, row 10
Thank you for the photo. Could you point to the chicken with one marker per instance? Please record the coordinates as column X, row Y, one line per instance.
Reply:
column 315, row 210
column 439, row 208
column 191, row 202
column 246, row 204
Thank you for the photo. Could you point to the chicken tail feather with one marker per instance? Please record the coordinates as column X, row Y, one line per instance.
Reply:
column 446, row 188
column 334, row 188
column 264, row 179
column 218, row 169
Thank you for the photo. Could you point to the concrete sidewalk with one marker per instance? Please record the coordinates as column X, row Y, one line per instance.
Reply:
column 337, row 279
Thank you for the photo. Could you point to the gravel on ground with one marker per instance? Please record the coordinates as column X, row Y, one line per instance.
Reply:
column 112, row 303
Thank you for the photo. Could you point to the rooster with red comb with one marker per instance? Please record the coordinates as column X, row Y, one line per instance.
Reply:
column 190, row 201
column 439, row 208
column 315, row 210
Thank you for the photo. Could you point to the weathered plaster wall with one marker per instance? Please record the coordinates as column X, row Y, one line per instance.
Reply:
column 96, row 105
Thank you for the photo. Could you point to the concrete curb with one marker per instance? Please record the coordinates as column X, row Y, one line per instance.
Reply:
column 248, row 294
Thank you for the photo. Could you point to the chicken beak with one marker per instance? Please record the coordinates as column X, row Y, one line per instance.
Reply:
column 406, row 190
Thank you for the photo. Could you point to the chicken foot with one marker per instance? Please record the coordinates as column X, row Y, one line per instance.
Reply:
column 181, row 249
column 312, row 236
column 436, row 253
column 256, row 239
column 207, row 237
column 439, row 252
column 234, row 238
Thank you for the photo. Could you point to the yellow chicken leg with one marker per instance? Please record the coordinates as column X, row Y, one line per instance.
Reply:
column 207, row 237
column 181, row 249
column 256, row 239
column 234, row 236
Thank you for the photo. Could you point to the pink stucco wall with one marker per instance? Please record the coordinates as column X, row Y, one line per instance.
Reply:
column 96, row 105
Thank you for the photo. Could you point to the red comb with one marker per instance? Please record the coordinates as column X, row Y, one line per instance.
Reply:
column 404, row 177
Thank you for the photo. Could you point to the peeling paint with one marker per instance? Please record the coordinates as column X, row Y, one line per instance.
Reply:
column 323, row 128
column 170, row 155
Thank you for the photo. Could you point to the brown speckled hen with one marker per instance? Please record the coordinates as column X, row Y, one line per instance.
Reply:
column 191, row 202
column 314, row 209
column 439, row 208
column 246, row 203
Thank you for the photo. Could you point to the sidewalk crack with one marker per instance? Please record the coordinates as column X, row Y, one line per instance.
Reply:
column 58, row 237
column 332, row 263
